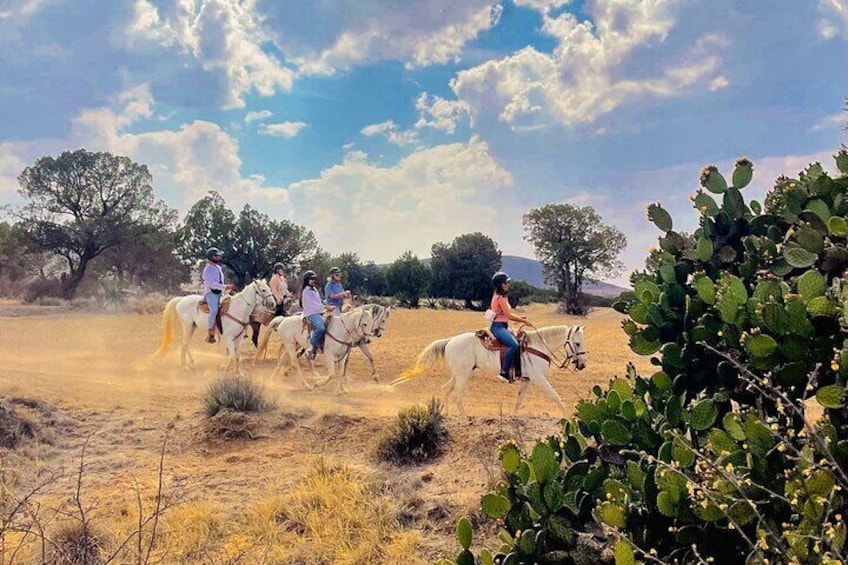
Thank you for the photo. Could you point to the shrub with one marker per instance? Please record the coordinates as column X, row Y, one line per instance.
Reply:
column 239, row 394
column 76, row 543
column 744, row 327
column 41, row 289
column 150, row 303
column 418, row 434
column 14, row 428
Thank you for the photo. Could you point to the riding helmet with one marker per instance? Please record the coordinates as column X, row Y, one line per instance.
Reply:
column 308, row 275
column 212, row 251
column 278, row 266
column 335, row 270
column 500, row 278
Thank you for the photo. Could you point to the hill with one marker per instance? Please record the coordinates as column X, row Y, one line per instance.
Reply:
column 530, row 271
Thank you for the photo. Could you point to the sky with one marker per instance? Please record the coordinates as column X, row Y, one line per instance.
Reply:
column 389, row 125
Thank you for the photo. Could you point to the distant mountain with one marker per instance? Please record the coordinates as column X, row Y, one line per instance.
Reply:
column 530, row 271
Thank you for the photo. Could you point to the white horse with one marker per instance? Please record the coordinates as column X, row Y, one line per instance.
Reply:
column 186, row 310
column 343, row 333
column 464, row 353
column 381, row 316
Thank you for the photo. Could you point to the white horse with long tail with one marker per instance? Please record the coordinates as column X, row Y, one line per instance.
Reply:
column 186, row 311
column 463, row 353
column 343, row 333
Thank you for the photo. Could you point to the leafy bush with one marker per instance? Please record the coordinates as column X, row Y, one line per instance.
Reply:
column 418, row 434
column 239, row 394
column 744, row 327
column 42, row 289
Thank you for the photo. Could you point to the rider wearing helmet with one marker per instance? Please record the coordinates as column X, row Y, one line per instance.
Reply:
column 334, row 292
column 313, row 310
column 213, row 286
column 279, row 288
column 500, row 325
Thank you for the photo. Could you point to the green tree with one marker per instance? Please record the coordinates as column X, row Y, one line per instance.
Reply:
column 251, row 241
column 149, row 262
column 374, row 279
column 464, row 268
column 574, row 246
column 352, row 271
column 19, row 254
column 408, row 279
column 81, row 204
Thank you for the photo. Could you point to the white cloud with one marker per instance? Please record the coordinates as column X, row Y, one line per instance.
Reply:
column 836, row 121
column 282, row 129
column 391, row 131
column 420, row 34
column 258, row 116
column 833, row 18
column 543, row 6
column 431, row 195
column 440, row 114
column 593, row 69
column 222, row 35
column 20, row 8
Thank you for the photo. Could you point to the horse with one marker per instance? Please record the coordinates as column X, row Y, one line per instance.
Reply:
column 464, row 353
column 186, row 310
column 381, row 316
column 343, row 333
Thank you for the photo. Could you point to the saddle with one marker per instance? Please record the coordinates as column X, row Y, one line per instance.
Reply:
column 490, row 342
column 222, row 309
column 307, row 327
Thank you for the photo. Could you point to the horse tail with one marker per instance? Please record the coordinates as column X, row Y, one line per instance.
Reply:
column 262, row 348
column 431, row 354
column 169, row 317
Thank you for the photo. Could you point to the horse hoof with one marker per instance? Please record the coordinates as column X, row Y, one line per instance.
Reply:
column 375, row 378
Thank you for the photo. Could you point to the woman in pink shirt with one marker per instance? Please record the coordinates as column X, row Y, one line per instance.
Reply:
column 500, row 325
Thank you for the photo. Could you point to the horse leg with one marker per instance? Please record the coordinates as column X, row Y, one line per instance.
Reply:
column 186, row 359
column 458, row 391
column 519, row 399
column 450, row 385
column 364, row 347
column 543, row 383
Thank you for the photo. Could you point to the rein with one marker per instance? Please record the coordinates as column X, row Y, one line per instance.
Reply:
column 252, row 306
column 570, row 352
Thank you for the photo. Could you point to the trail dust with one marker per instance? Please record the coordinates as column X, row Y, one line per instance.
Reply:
column 98, row 372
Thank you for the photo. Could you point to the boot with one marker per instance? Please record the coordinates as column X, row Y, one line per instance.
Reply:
column 517, row 365
column 210, row 337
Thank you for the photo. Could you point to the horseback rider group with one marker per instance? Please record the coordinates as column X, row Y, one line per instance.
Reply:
column 314, row 307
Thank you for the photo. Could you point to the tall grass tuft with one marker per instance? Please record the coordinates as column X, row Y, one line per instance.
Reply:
column 418, row 434
column 239, row 394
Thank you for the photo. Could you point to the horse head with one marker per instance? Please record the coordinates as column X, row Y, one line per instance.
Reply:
column 575, row 347
column 264, row 294
column 380, row 314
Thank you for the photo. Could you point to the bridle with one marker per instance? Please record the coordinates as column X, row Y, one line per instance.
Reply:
column 571, row 353
column 349, row 344
column 252, row 306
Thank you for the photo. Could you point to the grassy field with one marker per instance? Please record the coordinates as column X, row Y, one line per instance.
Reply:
column 307, row 488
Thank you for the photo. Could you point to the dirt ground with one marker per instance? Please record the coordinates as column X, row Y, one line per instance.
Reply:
column 94, row 377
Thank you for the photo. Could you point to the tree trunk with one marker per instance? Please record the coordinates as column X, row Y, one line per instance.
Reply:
column 72, row 282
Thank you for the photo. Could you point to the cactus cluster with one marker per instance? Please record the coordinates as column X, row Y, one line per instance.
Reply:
column 745, row 327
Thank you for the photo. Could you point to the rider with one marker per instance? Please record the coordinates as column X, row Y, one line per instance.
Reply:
column 279, row 288
column 334, row 292
column 213, row 286
column 500, row 324
column 313, row 310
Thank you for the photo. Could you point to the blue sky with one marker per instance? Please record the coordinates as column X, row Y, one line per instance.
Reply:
column 387, row 125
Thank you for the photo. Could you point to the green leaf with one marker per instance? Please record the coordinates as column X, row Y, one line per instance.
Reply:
column 798, row 257
column 734, row 203
column 820, row 482
column 623, row 553
column 647, row 291
column 661, row 381
column 682, row 453
column 667, row 273
column 660, row 217
column 465, row 558
column 705, row 288
column 831, row 396
column 639, row 313
column 715, row 182
column 810, row 239
column 464, row 532
column 819, row 208
column 842, row 161
column 486, row 557
column 705, row 204
column 811, row 284
column 622, row 387
column 616, row 433
column 761, row 345
column 820, row 306
column 642, row 346
column 544, row 462
column 666, row 505
column 703, row 415
column 838, row 226
column 495, row 506
column 510, row 458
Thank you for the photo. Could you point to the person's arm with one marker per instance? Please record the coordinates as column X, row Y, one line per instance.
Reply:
column 510, row 316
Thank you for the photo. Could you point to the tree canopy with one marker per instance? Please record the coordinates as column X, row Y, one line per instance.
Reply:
column 573, row 245
column 251, row 241
column 81, row 204
column 408, row 278
column 464, row 268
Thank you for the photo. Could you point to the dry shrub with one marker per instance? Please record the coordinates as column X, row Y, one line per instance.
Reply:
column 43, row 289
column 238, row 394
column 14, row 428
column 77, row 543
column 227, row 424
column 418, row 434
column 152, row 303
column 190, row 531
column 332, row 516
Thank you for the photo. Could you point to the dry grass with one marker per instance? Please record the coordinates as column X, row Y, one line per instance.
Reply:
column 96, row 370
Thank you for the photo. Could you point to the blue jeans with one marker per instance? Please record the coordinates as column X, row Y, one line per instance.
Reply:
column 501, row 331
column 317, row 321
column 213, row 300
